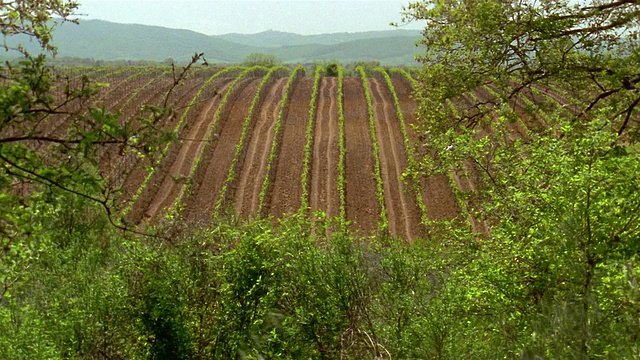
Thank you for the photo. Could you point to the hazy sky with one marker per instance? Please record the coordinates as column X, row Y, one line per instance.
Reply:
column 241, row 16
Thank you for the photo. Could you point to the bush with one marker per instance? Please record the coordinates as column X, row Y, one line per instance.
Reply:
column 259, row 59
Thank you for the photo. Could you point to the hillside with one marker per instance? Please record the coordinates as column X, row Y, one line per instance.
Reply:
column 282, row 39
column 102, row 40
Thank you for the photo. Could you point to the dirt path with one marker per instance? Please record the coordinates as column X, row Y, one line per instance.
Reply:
column 287, row 190
column 216, row 160
column 326, row 151
column 190, row 144
column 249, row 186
column 437, row 194
column 362, row 207
column 402, row 209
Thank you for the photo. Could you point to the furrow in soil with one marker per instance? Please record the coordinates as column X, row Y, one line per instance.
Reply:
column 287, row 189
column 324, row 190
column 362, row 207
column 251, row 175
column 214, row 167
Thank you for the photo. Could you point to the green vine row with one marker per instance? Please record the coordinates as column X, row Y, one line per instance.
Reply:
column 342, row 183
column 384, row 222
column 306, row 162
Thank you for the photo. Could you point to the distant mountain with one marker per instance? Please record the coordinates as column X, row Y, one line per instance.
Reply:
column 111, row 41
column 398, row 50
column 281, row 39
column 102, row 40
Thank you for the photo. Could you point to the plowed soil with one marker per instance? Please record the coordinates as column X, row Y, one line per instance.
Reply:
column 437, row 194
column 160, row 185
column 188, row 147
column 197, row 185
column 362, row 207
column 213, row 170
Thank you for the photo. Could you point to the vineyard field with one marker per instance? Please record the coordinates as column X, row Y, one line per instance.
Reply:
column 241, row 138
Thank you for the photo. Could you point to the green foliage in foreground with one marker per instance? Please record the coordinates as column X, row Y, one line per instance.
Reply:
column 246, row 290
column 306, row 290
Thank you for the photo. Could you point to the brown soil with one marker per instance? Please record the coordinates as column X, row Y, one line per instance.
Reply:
column 114, row 163
column 190, row 144
column 253, row 171
column 287, row 189
column 326, row 151
column 403, row 212
column 212, row 171
column 362, row 207
column 108, row 98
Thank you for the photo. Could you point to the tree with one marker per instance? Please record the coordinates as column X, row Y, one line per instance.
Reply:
column 259, row 59
column 536, row 103
column 42, row 168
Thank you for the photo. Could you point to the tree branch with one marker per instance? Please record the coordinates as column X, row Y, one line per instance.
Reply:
column 103, row 202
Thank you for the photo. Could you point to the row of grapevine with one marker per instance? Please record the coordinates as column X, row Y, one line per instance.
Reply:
column 405, row 76
column 231, row 175
column 295, row 74
column 62, row 124
column 70, row 79
column 186, row 190
column 306, row 167
column 142, row 89
column 384, row 222
column 176, row 131
column 411, row 158
column 457, row 191
column 125, row 86
column 342, row 183
column 526, row 101
column 570, row 105
column 489, row 105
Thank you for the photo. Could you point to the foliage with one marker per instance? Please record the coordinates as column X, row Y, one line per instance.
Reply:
column 231, row 290
column 259, row 59
column 51, row 137
column 331, row 69
column 555, row 273
column 32, row 19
